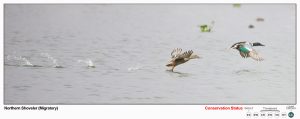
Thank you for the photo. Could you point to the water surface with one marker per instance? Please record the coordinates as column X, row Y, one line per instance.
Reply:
column 116, row 54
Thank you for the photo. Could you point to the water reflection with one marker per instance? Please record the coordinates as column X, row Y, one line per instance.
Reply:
column 178, row 74
column 243, row 71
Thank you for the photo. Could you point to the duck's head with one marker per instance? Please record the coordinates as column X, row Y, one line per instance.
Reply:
column 235, row 46
column 194, row 57
column 257, row 44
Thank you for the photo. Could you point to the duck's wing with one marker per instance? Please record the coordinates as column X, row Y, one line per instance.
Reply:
column 244, row 55
column 186, row 54
column 176, row 52
column 254, row 55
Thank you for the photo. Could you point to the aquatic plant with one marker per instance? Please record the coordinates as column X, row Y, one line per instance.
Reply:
column 236, row 5
column 204, row 28
column 207, row 28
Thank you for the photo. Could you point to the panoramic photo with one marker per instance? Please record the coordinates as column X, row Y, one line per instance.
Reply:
column 149, row 54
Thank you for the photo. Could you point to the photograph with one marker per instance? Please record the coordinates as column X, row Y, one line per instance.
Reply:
column 149, row 54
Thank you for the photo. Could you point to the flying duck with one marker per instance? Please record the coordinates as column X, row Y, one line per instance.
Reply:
column 246, row 50
column 178, row 58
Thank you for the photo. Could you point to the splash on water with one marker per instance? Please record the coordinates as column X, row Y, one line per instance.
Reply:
column 88, row 62
column 27, row 62
column 23, row 61
column 134, row 68
column 54, row 61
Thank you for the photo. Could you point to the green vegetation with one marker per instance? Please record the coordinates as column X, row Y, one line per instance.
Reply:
column 204, row 28
column 237, row 5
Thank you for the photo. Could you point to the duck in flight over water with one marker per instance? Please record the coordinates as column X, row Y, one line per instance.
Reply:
column 246, row 50
column 178, row 58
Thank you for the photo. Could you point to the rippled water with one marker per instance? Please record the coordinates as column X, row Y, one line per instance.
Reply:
column 116, row 54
